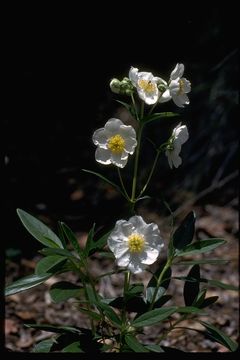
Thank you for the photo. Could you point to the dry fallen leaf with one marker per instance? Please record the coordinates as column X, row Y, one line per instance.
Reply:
column 10, row 327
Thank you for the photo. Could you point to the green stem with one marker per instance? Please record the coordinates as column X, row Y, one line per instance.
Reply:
column 159, row 281
column 134, row 183
column 124, row 313
column 150, row 174
column 172, row 327
column 135, row 108
column 122, row 184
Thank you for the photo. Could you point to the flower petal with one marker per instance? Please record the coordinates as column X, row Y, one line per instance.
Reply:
column 135, row 265
column 112, row 126
column 177, row 99
column 176, row 159
column 100, row 138
column 103, row 156
column 138, row 223
column 186, row 85
column 119, row 160
column 165, row 96
column 149, row 256
column 169, row 157
column 133, row 75
column 177, row 72
column 124, row 259
column 181, row 135
column 130, row 144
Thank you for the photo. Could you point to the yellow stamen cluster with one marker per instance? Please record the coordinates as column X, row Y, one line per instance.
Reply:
column 181, row 87
column 136, row 243
column 147, row 85
column 116, row 144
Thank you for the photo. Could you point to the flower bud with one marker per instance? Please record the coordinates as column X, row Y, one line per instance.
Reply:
column 115, row 86
column 162, row 88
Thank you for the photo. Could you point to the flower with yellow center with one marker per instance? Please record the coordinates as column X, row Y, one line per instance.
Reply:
column 115, row 141
column 146, row 85
column 178, row 87
column 178, row 138
column 135, row 243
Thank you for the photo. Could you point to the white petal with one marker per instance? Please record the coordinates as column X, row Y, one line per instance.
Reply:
column 159, row 80
column 177, row 99
column 149, row 256
column 112, row 126
column 138, row 223
column 174, row 87
column 133, row 75
column 100, row 138
column 143, row 75
column 176, row 159
column 119, row 160
column 124, row 260
column 186, row 85
column 181, row 135
column 165, row 96
column 127, row 131
column 103, row 156
column 177, row 72
column 148, row 98
column 130, row 144
column 169, row 157
column 135, row 265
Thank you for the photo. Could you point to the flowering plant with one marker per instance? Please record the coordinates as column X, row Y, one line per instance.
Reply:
column 115, row 324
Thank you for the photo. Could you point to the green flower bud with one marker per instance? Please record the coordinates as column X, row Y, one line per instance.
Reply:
column 115, row 86
column 162, row 88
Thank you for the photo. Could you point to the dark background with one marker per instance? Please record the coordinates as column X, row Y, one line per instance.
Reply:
column 59, row 62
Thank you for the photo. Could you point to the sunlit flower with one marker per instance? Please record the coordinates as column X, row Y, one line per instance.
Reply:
column 135, row 243
column 115, row 141
column 146, row 85
column 179, row 137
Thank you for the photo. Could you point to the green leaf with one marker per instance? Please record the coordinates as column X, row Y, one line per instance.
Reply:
column 61, row 235
column 191, row 289
column 157, row 116
column 153, row 283
column 200, row 298
column 64, row 290
column 100, row 243
column 89, row 244
column 105, row 179
column 55, row 329
column 218, row 336
column 50, row 263
column 72, row 239
column 153, row 316
column 54, row 251
column 154, row 348
column 110, row 314
column 74, row 347
column 221, row 285
column 134, row 344
column 208, row 301
column 185, row 232
column 202, row 261
column 39, row 230
column 90, row 313
column 26, row 283
column 127, row 106
column 201, row 246
column 133, row 290
column 44, row 346
column 188, row 310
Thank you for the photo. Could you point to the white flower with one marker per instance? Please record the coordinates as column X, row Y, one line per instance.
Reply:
column 179, row 137
column 178, row 87
column 135, row 244
column 115, row 141
column 146, row 85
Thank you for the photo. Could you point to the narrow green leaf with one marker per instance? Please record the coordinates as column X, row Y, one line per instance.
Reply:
column 55, row 329
column 201, row 246
column 154, row 348
column 202, row 261
column 183, row 235
column 55, row 251
column 110, row 313
column 90, row 313
column 26, row 283
column 50, row 263
column 39, row 230
column 89, row 244
column 191, row 289
column 134, row 344
column 133, row 290
column 217, row 335
column 222, row 285
column 208, row 301
column 157, row 116
column 188, row 310
column 72, row 239
column 61, row 235
column 64, row 290
column 154, row 316
column 104, row 179
column 200, row 298
column 44, row 346
column 74, row 347
column 153, row 283
column 100, row 243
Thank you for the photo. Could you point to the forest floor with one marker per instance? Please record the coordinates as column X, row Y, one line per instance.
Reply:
column 35, row 305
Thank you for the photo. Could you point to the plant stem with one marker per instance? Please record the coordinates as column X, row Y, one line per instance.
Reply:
column 167, row 265
column 135, row 108
column 150, row 174
column 122, row 184
column 183, row 317
column 124, row 314
column 134, row 183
